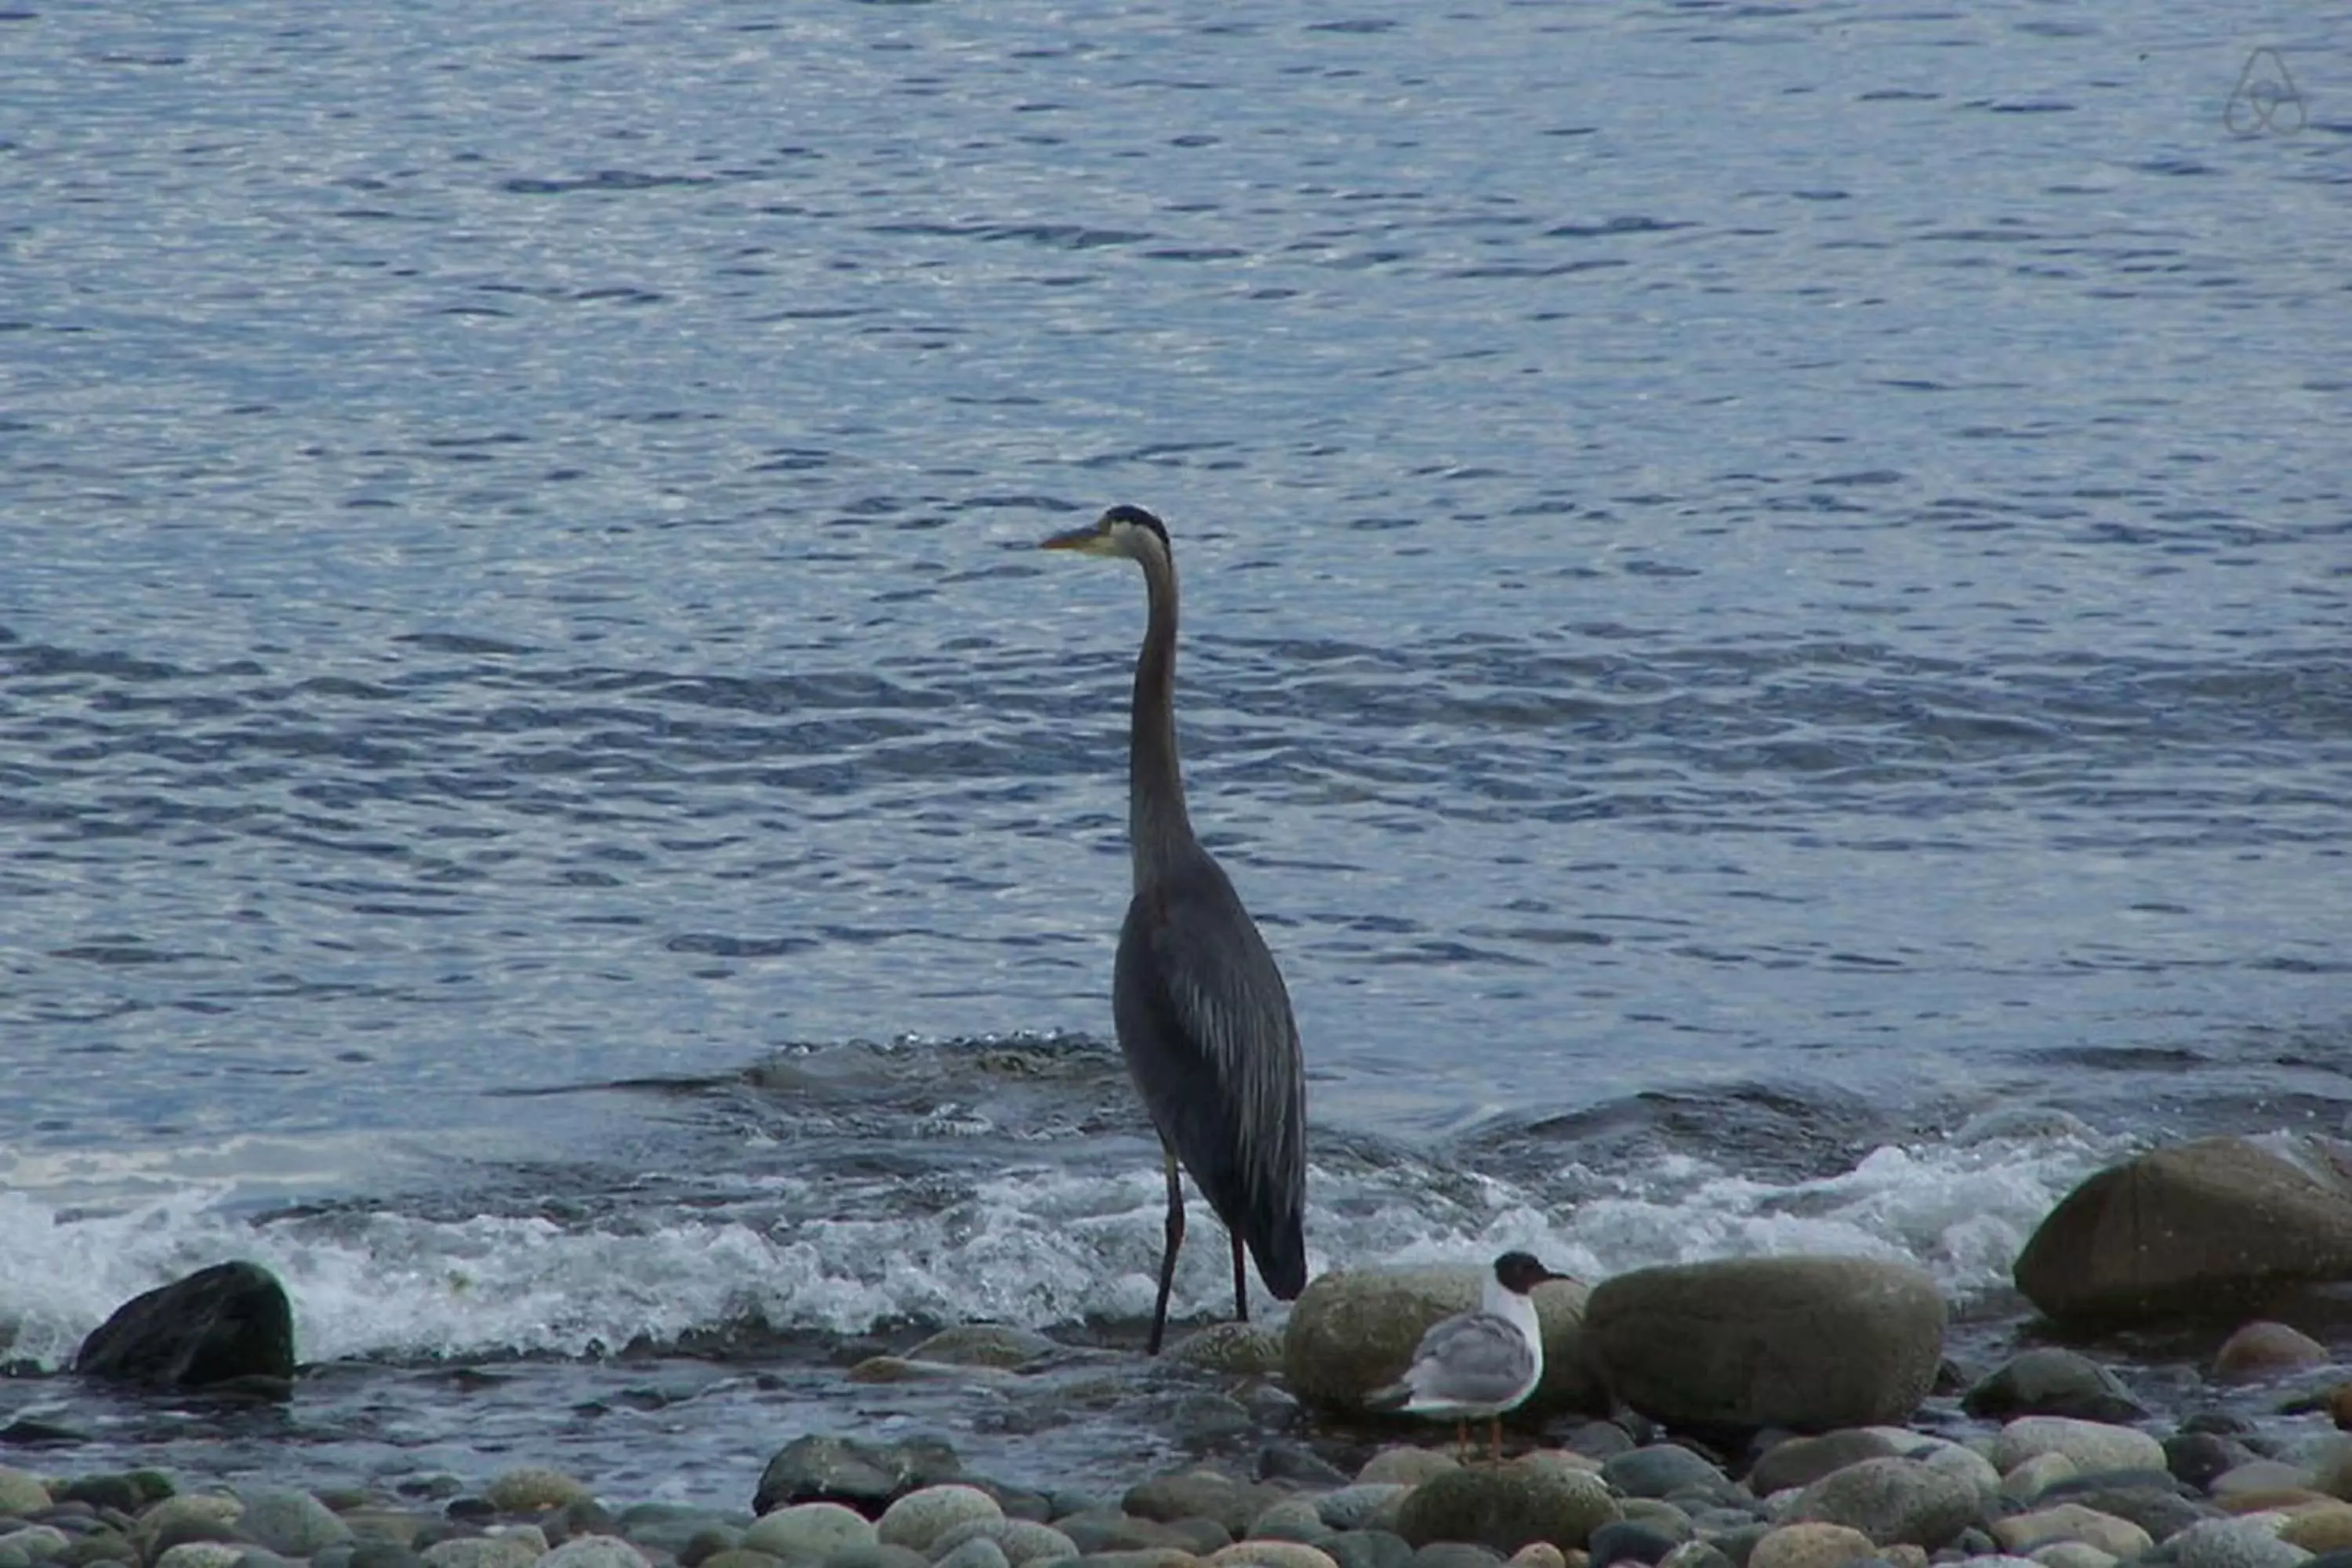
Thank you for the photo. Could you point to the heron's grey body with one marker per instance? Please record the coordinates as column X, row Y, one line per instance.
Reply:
column 1204, row 1019
column 1478, row 1364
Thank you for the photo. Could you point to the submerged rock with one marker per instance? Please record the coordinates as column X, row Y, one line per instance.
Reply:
column 2051, row 1381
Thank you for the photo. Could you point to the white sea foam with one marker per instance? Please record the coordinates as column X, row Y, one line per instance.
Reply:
column 1042, row 1247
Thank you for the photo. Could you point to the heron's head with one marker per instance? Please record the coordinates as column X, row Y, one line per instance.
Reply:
column 1123, row 530
column 1518, row 1272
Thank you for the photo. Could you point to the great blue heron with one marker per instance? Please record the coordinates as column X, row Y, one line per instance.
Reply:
column 1477, row 1364
column 1203, row 1017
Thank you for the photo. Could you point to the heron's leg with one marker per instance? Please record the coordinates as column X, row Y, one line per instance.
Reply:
column 1495, row 1431
column 1241, row 1284
column 1175, row 1239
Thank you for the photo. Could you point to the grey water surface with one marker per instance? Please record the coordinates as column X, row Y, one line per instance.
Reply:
column 1763, row 585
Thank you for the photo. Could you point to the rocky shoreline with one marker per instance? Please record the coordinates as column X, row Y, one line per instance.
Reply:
column 1750, row 1413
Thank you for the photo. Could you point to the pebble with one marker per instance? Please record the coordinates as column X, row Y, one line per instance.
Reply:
column 810, row 1530
column 524, row 1490
column 21, row 1493
column 1020, row 1540
column 976, row 1552
column 921, row 1517
column 2093, row 1444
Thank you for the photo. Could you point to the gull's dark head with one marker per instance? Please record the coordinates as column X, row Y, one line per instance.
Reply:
column 1518, row 1272
column 1127, row 531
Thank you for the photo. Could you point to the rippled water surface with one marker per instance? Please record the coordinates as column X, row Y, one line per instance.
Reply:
column 1761, row 584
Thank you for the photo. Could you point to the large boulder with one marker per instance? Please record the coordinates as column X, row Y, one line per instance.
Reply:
column 1809, row 1343
column 2216, row 1228
column 226, row 1328
column 1354, row 1330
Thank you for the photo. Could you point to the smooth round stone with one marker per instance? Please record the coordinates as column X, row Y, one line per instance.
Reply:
column 1506, row 1507
column 1096, row 1530
column 813, row 1530
column 1144, row 1557
column 1020, row 1539
column 1455, row 1554
column 1893, row 1500
column 1405, row 1466
column 595, row 1552
column 2037, row 1474
column 2074, row 1554
column 1655, row 1471
column 689, row 1534
column 1270, row 1554
column 921, row 1517
column 1539, row 1555
column 531, row 1489
column 1235, row 1350
column 1198, row 1534
column 384, row 1554
column 1802, row 1461
column 1658, row 1514
column 1366, row 1504
column 292, row 1523
column 2265, row 1349
column 2026, row 1533
column 979, row 1552
column 2092, row 1445
column 515, row 1551
column 2248, row 1542
column 1698, row 1554
column 33, row 1543
column 21, row 1492
column 1195, row 1494
column 1292, row 1519
column 105, row 1546
column 2324, row 1528
column 1294, row 1461
column 201, row 1554
column 204, row 1511
column 1368, row 1549
column 1623, row 1540
column 736, row 1557
column 1811, row 1546
column 2149, row 1499
column 2194, row 1459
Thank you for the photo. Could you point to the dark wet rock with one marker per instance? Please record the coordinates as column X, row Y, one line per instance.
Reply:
column 1507, row 1507
column 1800, row 1461
column 1807, row 1343
column 470, row 1510
column 384, row 1554
column 1202, row 1420
column 1369, row 1548
column 1296, row 1462
column 1199, row 1534
column 1354, row 1330
column 705, row 1543
column 1657, row 1469
column 32, row 1432
column 1361, row 1505
column 1600, row 1441
column 228, row 1324
column 1627, row 1541
column 2194, row 1459
column 1293, row 1519
column 130, row 1491
column 864, row 1476
column 2197, row 1231
column 2049, row 1381
column 1894, row 1501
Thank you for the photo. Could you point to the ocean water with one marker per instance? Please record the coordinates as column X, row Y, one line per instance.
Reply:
column 1766, row 604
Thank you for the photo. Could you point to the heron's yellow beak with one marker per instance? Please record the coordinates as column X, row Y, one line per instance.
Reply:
column 1088, row 540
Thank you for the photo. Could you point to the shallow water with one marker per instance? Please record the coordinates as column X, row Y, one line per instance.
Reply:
column 1765, row 604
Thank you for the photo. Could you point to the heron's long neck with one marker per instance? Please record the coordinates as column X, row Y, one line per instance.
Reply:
column 1158, row 828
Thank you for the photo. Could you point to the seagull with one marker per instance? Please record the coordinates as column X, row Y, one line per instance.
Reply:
column 1477, row 1364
